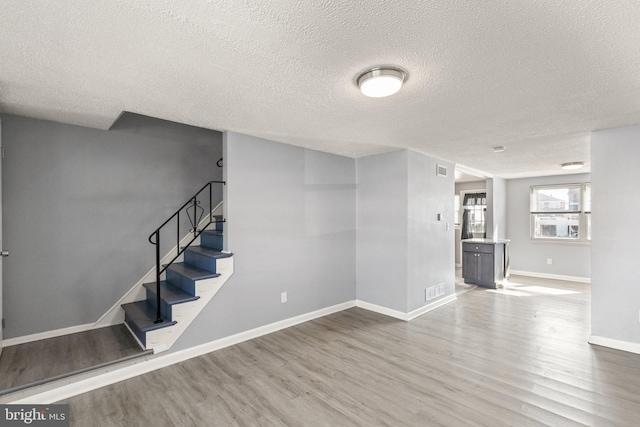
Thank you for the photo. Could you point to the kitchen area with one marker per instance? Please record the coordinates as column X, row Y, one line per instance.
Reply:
column 482, row 249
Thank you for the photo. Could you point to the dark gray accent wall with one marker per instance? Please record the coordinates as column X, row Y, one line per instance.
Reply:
column 615, row 302
column 79, row 204
column 291, row 227
column 569, row 259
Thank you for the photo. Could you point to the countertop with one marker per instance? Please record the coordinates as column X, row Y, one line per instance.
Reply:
column 486, row 241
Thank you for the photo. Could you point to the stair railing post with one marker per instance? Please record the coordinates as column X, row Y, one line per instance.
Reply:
column 160, row 268
column 195, row 226
column 158, row 309
column 178, row 232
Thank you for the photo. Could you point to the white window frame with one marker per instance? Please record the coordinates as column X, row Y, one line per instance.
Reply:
column 583, row 215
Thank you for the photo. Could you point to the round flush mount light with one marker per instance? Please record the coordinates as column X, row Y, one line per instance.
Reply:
column 572, row 165
column 381, row 81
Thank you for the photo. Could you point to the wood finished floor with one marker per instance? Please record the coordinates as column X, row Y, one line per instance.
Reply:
column 25, row 363
column 517, row 357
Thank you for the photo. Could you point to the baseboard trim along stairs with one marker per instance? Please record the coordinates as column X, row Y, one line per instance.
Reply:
column 186, row 289
column 189, row 285
column 52, row 393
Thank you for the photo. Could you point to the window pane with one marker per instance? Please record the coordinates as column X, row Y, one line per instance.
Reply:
column 555, row 199
column 477, row 218
column 556, row 226
column 456, row 209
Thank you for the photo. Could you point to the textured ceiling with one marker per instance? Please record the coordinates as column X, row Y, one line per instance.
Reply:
column 534, row 76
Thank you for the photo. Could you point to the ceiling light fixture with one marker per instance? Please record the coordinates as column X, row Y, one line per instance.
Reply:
column 381, row 81
column 572, row 165
column 499, row 149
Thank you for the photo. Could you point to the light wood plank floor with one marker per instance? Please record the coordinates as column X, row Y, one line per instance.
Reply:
column 516, row 357
column 25, row 363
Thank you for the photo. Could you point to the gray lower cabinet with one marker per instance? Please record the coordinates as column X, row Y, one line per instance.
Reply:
column 483, row 264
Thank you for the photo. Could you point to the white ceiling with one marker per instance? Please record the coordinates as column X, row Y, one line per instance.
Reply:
column 534, row 76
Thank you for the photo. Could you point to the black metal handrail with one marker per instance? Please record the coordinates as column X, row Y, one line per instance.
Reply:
column 192, row 202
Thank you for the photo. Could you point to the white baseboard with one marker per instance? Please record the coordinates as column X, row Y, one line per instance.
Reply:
column 427, row 308
column 552, row 276
column 48, row 334
column 405, row 316
column 51, row 395
column 382, row 310
column 631, row 347
column 70, row 388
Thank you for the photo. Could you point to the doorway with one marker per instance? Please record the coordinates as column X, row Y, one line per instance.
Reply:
column 467, row 181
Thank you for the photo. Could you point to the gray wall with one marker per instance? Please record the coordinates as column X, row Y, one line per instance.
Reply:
column 79, row 204
column 382, row 239
column 466, row 186
column 430, row 257
column 615, row 203
column 291, row 226
column 402, row 248
column 1, row 242
column 569, row 259
column 496, row 220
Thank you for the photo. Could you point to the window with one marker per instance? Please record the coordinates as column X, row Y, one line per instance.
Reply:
column 476, row 217
column 587, row 208
column 561, row 212
column 456, row 209
column 474, row 206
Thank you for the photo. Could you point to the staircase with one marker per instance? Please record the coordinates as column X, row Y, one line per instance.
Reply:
column 187, row 286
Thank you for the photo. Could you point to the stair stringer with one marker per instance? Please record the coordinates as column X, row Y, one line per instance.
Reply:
column 115, row 315
column 185, row 313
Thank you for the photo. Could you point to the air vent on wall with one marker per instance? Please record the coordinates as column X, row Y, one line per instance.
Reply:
column 441, row 170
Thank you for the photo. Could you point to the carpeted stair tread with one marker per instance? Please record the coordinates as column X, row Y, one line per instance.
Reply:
column 213, row 232
column 209, row 252
column 143, row 315
column 170, row 294
column 191, row 272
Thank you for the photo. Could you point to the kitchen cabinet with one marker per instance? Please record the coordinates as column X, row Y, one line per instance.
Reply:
column 485, row 262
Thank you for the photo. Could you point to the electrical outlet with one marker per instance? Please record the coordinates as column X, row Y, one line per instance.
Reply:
column 549, row 261
column 283, row 297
